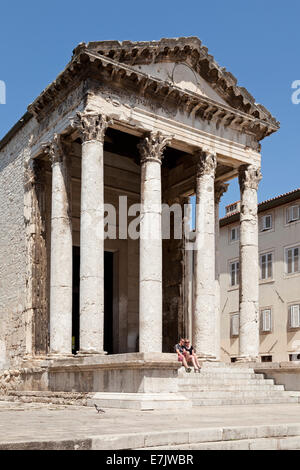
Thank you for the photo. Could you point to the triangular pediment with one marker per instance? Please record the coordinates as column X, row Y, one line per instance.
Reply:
column 181, row 75
column 190, row 67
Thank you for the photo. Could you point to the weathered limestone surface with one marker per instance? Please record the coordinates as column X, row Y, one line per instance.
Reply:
column 150, row 300
column 36, row 318
column 249, row 178
column 92, row 129
column 61, row 252
column 204, row 311
column 13, row 249
column 220, row 189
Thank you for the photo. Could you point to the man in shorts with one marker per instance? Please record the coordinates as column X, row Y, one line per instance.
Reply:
column 181, row 353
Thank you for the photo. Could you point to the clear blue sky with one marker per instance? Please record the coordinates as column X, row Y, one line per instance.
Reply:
column 258, row 41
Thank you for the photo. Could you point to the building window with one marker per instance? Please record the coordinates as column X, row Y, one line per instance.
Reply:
column 234, row 273
column 266, row 222
column 266, row 358
column 294, row 357
column 266, row 266
column 294, row 316
column 233, row 359
column 266, row 321
column 234, row 325
column 293, row 213
column 292, row 260
column 234, row 234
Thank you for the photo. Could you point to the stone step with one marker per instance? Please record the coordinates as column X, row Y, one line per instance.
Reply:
column 251, row 437
column 225, row 370
column 235, row 394
column 238, row 375
column 243, row 401
column 233, row 388
column 197, row 379
column 218, row 371
column 285, row 443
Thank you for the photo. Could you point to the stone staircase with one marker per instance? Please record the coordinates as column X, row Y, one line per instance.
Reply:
column 224, row 384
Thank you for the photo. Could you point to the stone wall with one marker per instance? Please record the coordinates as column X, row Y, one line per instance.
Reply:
column 13, row 248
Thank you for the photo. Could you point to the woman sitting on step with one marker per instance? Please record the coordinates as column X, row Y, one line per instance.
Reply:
column 182, row 353
column 191, row 356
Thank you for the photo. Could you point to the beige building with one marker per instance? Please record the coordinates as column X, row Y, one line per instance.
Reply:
column 279, row 279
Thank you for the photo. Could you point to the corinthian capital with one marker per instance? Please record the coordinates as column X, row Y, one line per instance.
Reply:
column 207, row 163
column 249, row 177
column 151, row 148
column 220, row 189
column 54, row 149
column 91, row 126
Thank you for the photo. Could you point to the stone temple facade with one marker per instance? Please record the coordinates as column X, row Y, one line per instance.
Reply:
column 152, row 122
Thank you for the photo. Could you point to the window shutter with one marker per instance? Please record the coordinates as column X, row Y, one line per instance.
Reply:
column 293, row 213
column 266, row 320
column 289, row 261
column 268, row 222
column 295, row 316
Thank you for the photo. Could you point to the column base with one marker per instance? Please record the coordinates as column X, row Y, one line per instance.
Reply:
column 54, row 355
column 244, row 359
column 207, row 358
column 83, row 353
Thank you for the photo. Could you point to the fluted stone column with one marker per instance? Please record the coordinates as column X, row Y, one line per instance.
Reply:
column 220, row 189
column 61, row 252
column 204, row 308
column 150, row 298
column 249, row 178
column 92, row 129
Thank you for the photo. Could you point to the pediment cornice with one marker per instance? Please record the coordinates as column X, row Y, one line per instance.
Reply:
column 85, row 60
column 191, row 51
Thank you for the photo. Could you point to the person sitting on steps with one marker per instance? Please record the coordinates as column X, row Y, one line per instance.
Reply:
column 181, row 352
column 191, row 356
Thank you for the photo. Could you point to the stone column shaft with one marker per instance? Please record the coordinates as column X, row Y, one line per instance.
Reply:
column 61, row 272
column 204, row 309
column 150, row 298
column 249, row 177
column 220, row 189
column 92, row 128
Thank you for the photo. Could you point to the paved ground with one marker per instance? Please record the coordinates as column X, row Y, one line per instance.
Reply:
column 41, row 422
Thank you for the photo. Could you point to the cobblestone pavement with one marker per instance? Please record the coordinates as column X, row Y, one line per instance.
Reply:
column 25, row 422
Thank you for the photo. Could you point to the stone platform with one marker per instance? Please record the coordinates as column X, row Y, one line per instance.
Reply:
column 134, row 380
column 139, row 381
column 259, row 427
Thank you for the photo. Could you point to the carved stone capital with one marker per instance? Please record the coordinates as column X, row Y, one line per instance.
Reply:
column 151, row 148
column 91, row 126
column 54, row 149
column 207, row 163
column 220, row 189
column 249, row 177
